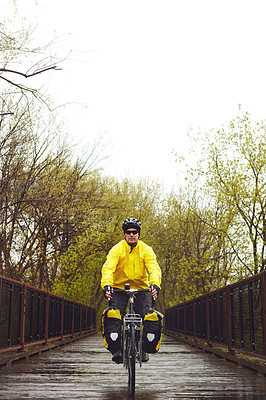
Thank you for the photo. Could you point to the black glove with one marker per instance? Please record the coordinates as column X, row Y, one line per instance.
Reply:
column 107, row 288
column 156, row 288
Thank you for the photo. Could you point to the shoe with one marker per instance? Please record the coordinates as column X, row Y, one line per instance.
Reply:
column 117, row 357
column 145, row 357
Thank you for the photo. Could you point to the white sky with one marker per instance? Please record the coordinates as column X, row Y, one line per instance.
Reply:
column 147, row 70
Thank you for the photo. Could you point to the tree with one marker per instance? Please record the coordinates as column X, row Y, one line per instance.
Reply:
column 236, row 170
column 17, row 52
column 191, row 247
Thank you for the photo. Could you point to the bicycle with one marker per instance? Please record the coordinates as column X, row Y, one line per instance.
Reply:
column 132, row 338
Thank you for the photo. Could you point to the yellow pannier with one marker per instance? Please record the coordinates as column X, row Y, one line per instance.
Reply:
column 111, row 328
column 152, row 331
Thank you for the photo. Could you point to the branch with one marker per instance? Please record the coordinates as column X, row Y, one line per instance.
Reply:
column 21, row 87
column 32, row 74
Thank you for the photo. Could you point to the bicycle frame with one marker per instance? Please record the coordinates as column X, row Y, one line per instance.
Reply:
column 132, row 339
column 132, row 320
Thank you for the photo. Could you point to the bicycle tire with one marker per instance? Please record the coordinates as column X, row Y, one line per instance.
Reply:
column 132, row 361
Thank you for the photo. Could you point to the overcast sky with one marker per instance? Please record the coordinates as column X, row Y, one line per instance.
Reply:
column 148, row 70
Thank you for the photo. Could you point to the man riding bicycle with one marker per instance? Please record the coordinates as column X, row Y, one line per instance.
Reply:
column 134, row 262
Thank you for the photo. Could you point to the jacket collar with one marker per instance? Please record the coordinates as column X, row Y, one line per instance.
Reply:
column 132, row 247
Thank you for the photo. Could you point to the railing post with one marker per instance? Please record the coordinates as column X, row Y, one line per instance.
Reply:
column 94, row 323
column 263, row 296
column 185, row 321
column 177, row 321
column 23, row 317
column 229, row 319
column 73, row 319
column 62, row 318
column 208, row 319
column 11, row 313
column 80, row 320
column 251, row 314
column 87, row 318
column 47, row 317
column 194, row 320
column 90, row 323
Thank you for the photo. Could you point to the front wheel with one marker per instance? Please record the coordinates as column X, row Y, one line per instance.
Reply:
column 132, row 360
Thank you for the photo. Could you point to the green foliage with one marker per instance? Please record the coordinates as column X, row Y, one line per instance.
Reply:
column 80, row 267
column 191, row 249
column 235, row 173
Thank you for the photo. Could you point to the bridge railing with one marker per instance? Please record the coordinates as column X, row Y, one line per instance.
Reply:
column 234, row 316
column 29, row 316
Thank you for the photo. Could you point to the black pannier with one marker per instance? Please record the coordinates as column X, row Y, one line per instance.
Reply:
column 152, row 331
column 111, row 329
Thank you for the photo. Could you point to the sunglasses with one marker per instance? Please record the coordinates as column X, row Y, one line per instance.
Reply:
column 133, row 232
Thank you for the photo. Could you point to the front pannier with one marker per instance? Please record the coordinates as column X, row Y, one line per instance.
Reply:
column 111, row 329
column 152, row 331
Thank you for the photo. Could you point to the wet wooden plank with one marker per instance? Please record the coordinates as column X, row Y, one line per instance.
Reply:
column 84, row 370
column 10, row 356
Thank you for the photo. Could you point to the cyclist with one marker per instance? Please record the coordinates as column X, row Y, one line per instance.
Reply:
column 134, row 262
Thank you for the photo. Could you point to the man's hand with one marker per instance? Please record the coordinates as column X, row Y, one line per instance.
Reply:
column 154, row 289
column 107, row 291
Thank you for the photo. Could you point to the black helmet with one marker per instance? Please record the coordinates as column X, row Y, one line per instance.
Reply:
column 131, row 223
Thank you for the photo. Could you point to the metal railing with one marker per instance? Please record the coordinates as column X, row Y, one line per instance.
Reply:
column 29, row 315
column 234, row 316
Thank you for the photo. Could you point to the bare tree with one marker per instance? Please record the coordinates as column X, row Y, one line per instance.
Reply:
column 16, row 52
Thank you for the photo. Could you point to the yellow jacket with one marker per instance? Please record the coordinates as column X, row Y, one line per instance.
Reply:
column 138, row 267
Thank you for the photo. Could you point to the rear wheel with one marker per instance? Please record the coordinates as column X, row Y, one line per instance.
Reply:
column 132, row 360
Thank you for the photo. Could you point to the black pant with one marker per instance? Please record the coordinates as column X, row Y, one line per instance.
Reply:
column 141, row 303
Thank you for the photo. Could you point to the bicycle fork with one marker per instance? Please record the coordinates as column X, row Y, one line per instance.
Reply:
column 132, row 321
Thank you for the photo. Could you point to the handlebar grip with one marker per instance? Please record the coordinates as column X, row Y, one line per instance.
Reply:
column 153, row 299
column 109, row 290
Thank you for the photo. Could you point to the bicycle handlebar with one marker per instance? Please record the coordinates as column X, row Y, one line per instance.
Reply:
column 131, row 290
column 128, row 291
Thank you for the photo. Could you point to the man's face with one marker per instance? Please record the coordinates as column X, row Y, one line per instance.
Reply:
column 132, row 236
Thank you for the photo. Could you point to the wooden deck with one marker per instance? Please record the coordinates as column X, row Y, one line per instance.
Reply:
column 84, row 370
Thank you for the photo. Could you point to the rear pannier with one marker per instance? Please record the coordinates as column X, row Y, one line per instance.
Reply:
column 152, row 331
column 111, row 329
